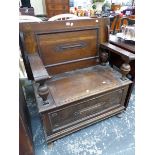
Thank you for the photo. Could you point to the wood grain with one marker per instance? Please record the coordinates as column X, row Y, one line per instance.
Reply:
column 81, row 90
column 38, row 69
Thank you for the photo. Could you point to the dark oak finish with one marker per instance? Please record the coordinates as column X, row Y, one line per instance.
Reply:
column 82, row 88
column 116, row 60
column 80, row 98
column 122, row 44
column 55, row 7
column 38, row 69
column 126, row 55
column 67, row 49
column 78, row 36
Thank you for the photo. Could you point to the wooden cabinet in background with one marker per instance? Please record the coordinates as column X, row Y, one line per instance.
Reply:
column 55, row 7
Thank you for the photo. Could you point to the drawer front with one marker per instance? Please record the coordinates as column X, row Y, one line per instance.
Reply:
column 58, row 7
column 84, row 110
column 57, row 1
column 56, row 48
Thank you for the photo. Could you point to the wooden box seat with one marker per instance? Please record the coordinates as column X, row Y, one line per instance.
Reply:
column 80, row 96
column 74, row 84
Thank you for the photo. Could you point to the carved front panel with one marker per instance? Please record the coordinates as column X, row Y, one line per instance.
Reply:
column 57, row 7
column 61, row 47
column 84, row 110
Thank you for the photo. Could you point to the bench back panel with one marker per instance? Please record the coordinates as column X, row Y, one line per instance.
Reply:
column 65, row 45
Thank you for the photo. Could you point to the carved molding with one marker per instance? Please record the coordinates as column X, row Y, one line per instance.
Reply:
column 68, row 46
column 80, row 125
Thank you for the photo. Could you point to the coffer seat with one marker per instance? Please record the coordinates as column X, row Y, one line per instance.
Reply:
column 82, row 96
column 83, row 83
column 73, row 82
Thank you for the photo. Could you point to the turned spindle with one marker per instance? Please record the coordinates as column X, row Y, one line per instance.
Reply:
column 43, row 92
column 125, row 69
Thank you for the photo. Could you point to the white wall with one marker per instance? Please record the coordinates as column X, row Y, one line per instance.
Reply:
column 83, row 3
column 39, row 6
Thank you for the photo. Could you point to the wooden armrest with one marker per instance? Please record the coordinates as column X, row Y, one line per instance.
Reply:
column 37, row 67
column 126, row 55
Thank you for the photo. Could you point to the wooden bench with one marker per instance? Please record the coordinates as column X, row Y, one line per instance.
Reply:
column 74, row 85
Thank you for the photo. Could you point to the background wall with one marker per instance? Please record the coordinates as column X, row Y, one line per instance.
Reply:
column 39, row 6
column 83, row 3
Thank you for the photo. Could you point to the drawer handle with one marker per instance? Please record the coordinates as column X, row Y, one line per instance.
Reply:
column 70, row 46
column 90, row 108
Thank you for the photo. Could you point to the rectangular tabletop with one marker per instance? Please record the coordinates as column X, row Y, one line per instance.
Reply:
column 113, row 39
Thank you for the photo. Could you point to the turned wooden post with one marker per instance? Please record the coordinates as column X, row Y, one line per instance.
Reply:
column 125, row 55
column 43, row 92
column 103, row 56
column 125, row 69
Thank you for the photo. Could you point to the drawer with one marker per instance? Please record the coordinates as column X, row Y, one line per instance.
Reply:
column 57, row 1
column 84, row 110
column 58, row 7
column 55, row 48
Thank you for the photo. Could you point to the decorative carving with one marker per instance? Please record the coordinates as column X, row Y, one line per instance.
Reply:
column 43, row 92
column 125, row 69
column 69, row 46
column 103, row 57
column 91, row 108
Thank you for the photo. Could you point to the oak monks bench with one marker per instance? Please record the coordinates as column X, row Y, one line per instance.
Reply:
column 74, row 83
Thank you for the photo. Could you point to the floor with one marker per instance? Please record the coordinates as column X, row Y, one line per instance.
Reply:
column 113, row 136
